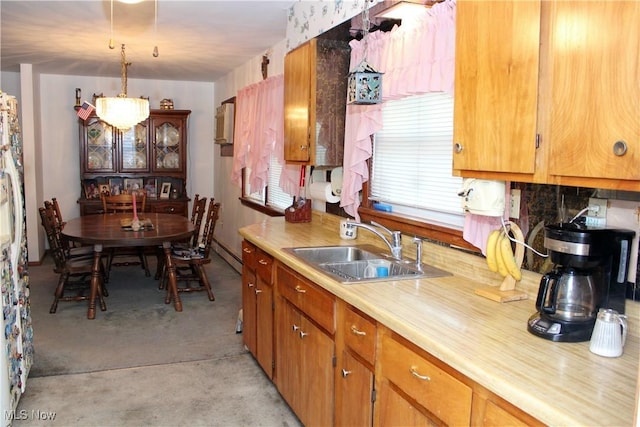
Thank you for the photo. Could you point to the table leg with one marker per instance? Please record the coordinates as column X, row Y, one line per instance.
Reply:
column 95, row 281
column 172, row 285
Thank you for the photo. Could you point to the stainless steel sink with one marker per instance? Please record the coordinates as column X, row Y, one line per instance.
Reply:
column 347, row 264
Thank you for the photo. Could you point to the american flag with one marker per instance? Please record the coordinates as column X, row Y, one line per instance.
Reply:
column 85, row 110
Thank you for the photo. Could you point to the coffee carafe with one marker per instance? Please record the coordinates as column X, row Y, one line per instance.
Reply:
column 589, row 273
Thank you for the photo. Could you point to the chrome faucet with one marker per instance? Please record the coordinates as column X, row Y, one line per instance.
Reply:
column 418, row 242
column 395, row 244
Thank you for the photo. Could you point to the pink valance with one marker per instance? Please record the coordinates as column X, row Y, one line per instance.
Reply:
column 416, row 58
column 259, row 129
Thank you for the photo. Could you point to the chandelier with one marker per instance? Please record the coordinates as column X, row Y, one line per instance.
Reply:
column 120, row 111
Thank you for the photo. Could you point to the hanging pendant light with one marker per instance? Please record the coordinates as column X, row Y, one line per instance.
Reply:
column 364, row 84
column 120, row 111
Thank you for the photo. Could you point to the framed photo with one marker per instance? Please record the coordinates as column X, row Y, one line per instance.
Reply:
column 105, row 189
column 116, row 186
column 91, row 189
column 132, row 184
column 151, row 187
column 166, row 189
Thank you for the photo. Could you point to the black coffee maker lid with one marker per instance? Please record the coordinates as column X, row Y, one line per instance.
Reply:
column 598, row 240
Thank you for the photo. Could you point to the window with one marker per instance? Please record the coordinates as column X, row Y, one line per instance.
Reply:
column 412, row 161
column 271, row 198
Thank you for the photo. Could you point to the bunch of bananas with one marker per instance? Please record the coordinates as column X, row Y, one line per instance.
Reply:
column 500, row 256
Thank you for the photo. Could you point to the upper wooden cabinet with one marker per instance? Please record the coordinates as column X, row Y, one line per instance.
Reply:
column 315, row 90
column 496, row 86
column 560, row 76
column 150, row 154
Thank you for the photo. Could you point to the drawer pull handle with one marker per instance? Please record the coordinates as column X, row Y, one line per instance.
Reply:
column 300, row 290
column 258, row 291
column 355, row 331
column 295, row 327
column 263, row 262
column 414, row 372
column 303, row 334
column 250, row 285
column 247, row 250
column 345, row 373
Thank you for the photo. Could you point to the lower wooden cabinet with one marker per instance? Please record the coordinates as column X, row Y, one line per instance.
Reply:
column 257, row 305
column 305, row 352
column 335, row 365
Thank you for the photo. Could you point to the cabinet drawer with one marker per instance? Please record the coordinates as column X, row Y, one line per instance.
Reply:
column 315, row 302
column 249, row 255
column 440, row 393
column 360, row 334
column 178, row 208
column 264, row 264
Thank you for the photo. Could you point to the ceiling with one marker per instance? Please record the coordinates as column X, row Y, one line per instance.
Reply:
column 197, row 40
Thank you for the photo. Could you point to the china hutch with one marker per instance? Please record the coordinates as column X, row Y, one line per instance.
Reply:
column 150, row 157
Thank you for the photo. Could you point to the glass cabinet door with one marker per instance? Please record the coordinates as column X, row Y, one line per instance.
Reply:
column 99, row 147
column 135, row 149
column 168, row 145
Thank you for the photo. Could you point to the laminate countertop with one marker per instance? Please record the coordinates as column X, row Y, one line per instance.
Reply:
column 558, row 383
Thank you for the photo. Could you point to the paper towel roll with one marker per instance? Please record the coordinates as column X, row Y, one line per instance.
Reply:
column 322, row 191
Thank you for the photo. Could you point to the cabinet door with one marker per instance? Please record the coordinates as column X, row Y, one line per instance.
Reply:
column 249, row 314
column 354, row 387
column 297, row 94
column 595, row 48
column 264, row 326
column 496, row 86
column 134, row 149
column 169, row 136
column 394, row 410
column 318, row 381
column 99, row 147
column 289, row 359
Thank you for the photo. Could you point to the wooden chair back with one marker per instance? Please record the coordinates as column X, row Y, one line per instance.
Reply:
column 197, row 214
column 209, row 226
column 56, row 246
column 123, row 203
column 56, row 208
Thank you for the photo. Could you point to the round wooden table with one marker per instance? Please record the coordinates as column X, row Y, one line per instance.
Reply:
column 107, row 231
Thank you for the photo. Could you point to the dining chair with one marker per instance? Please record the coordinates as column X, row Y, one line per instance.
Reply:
column 123, row 203
column 74, row 273
column 71, row 251
column 197, row 213
column 189, row 263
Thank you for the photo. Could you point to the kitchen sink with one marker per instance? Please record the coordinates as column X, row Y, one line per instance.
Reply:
column 348, row 264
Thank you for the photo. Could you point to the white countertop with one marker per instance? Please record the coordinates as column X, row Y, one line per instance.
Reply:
column 558, row 383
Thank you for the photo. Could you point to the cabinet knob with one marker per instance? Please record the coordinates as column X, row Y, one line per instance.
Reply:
column 620, row 148
column 295, row 327
column 355, row 331
column 262, row 261
column 414, row 372
column 247, row 250
column 250, row 285
column 303, row 334
column 300, row 290
column 458, row 147
column 258, row 291
column 303, row 147
column 345, row 373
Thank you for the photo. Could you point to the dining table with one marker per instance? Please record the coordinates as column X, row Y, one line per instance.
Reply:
column 116, row 230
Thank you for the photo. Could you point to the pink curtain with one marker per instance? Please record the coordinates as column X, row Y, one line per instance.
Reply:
column 259, row 133
column 416, row 58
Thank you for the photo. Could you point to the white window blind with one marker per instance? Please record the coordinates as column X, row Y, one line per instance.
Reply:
column 412, row 160
column 276, row 198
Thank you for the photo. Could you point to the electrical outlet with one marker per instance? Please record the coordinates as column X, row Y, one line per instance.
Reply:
column 597, row 208
column 514, row 208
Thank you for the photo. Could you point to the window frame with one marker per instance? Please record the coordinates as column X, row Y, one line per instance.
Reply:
column 252, row 203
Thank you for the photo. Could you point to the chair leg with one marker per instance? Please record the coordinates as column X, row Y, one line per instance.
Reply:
column 143, row 262
column 59, row 292
column 204, row 281
column 159, row 265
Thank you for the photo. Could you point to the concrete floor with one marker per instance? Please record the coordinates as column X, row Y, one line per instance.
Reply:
column 140, row 363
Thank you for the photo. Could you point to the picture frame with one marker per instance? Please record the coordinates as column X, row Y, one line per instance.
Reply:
column 133, row 184
column 166, row 189
column 116, row 186
column 151, row 187
column 105, row 189
column 91, row 189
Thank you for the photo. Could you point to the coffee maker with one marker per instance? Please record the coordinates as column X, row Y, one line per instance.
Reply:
column 589, row 273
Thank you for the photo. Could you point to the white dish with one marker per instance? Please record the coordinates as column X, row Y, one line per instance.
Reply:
column 171, row 161
column 169, row 136
column 96, row 161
